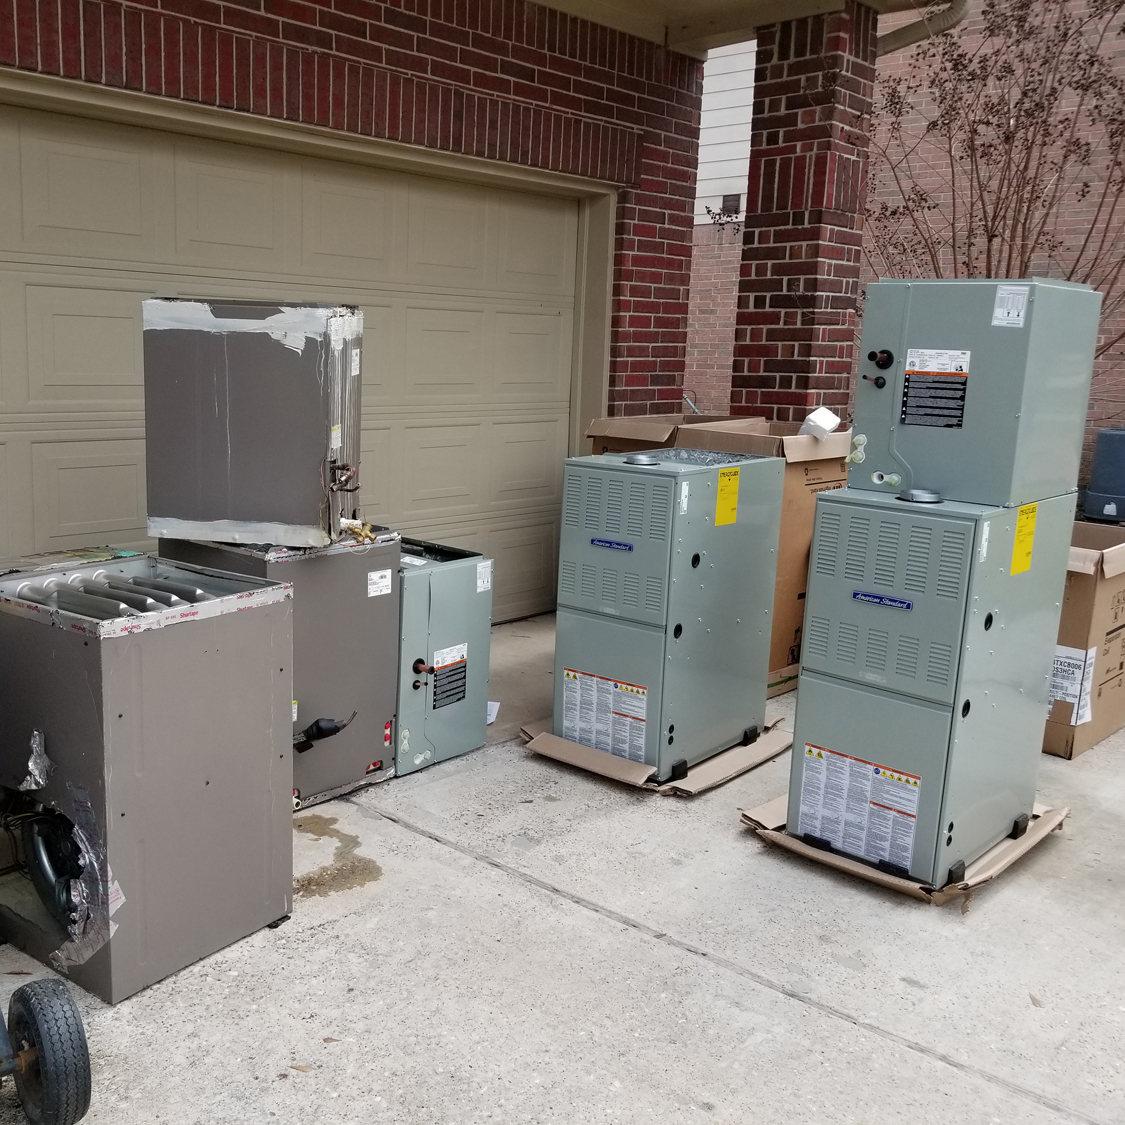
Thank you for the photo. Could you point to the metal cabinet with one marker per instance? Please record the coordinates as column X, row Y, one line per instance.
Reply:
column 346, row 609
column 145, row 764
column 443, row 655
column 936, row 577
column 251, row 420
column 666, row 573
column 927, row 662
column 976, row 389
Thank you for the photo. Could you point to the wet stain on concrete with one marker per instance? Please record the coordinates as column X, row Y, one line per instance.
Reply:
column 345, row 872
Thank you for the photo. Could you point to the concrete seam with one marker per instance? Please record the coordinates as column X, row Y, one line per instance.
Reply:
column 730, row 966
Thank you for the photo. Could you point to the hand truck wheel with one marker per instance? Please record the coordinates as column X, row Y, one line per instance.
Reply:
column 45, row 1049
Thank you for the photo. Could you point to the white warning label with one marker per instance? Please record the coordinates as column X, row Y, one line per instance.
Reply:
column 1071, row 680
column 1010, row 308
column 484, row 576
column 859, row 807
column 605, row 714
column 378, row 582
column 455, row 654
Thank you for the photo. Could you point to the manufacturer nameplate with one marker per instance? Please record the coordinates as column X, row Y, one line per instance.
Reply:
column 611, row 544
column 881, row 599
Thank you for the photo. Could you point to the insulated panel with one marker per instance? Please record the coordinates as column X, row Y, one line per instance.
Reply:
column 345, row 650
column 252, row 420
column 999, row 375
column 886, row 599
column 446, row 631
column 616, row 543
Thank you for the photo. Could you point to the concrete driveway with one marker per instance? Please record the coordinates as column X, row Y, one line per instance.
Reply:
column 504, row 939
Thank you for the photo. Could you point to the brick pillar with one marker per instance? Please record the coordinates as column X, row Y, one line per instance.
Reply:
column 716, row 259
column 801, row 254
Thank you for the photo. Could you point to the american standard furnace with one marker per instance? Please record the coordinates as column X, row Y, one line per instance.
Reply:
column 666, row 575
column 936, row 576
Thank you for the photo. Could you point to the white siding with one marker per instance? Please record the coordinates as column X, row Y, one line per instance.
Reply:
column 724, row 137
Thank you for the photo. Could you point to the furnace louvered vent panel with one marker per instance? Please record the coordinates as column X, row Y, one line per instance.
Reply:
column 951, row 564
column 660, row 512
column 636, row 524
column 589, row 580
column 816, row 640
column 918, row 560
column 906, row 657
column 609, row 584
column 889, row 591
column 632, row 591
column 940, row 664
column 572, row 502
column 616, row 542
column 855, row 557
column 568, row 578
column 886, row 554
column 595, row 513
column 828, row 543
column 847, row 642
column 615, row 507
column 875, row 659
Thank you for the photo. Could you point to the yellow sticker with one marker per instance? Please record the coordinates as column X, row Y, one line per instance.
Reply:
column 726, row 499
column 1025, row 538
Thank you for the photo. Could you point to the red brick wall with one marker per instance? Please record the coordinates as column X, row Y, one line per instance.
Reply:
column 715, row 260
column 804, row 222
column 501, row 79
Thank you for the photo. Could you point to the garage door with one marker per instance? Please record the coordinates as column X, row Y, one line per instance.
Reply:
column 467, row 292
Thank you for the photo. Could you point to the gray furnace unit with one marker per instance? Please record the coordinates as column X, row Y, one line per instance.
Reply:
column 146, row 764
column 936, row 577
column 666, row 574
column 251, row 420
column 345, row 652
column 444, row 653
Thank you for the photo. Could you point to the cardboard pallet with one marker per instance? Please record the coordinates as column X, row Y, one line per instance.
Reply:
column 709, row 774
column 768, row 821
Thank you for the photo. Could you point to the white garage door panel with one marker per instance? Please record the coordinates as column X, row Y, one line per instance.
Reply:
column 421, row 471
column 88, row 492
column 83, row 348
column 85, row 192
column 468, row 299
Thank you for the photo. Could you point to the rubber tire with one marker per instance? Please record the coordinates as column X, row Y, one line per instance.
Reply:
column 56, row 1089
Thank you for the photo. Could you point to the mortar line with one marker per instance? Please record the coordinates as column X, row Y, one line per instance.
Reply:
column 732, row 966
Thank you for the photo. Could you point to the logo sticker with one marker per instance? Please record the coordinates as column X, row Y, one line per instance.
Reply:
column 611, row 544
column 881, row 599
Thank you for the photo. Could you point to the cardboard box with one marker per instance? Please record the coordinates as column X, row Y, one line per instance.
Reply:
column 641, row 431
column 812, row 465
column 705, row 775
column 1088, row 687
column 768, row 821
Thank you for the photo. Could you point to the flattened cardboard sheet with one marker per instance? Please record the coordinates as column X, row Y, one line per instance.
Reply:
column 709, row 774
column 768, row 821
column 782, row 680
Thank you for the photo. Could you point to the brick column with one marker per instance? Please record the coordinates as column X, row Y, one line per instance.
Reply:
column 801, row 254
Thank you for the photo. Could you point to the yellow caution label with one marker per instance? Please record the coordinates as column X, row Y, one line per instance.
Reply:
column 726, row 499
column 1025, row 538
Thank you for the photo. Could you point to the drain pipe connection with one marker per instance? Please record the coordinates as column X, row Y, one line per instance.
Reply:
column 925, row 28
